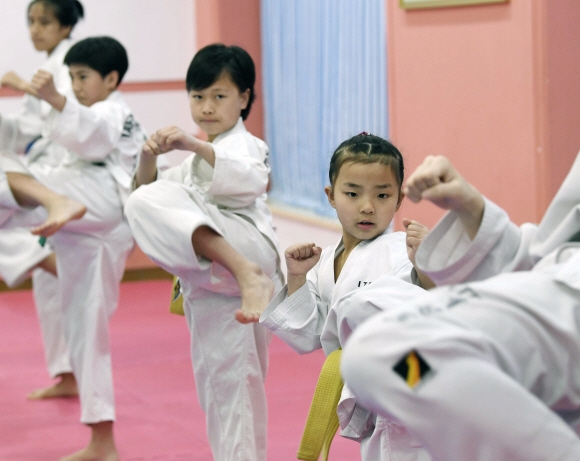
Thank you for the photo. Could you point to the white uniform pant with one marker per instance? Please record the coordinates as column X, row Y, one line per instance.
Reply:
column 230, row 360
column 20, row 252
column 495, row 360
column 91, row 254
column 46, row 291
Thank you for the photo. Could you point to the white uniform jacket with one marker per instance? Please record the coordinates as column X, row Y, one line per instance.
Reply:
column 18, row 130
column 448, row 256
column 239, row 179
column 308, row 319
column 105, row 134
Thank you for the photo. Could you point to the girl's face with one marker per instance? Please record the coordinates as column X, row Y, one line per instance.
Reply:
column 366, row 197
column 46, row 32
column 217, row 108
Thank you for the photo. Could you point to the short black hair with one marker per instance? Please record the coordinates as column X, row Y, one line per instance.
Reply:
column 367, row 148
column 67, row 12
column 103, row 54
column 212, row 61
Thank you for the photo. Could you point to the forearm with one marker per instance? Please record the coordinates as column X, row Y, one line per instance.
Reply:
column 471, row 213
column 204, row 150
column 146, row 170
column 424, row 281
column 295, row 282
column 57, row 101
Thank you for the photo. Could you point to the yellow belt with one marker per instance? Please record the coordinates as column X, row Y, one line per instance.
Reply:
column 322, row 422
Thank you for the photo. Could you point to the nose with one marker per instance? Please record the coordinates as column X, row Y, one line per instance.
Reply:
column 33, row 28
column 207, row 107
column 76, row 85
column 367, row 207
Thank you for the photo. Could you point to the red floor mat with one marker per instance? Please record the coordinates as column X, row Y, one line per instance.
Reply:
column 158, row 416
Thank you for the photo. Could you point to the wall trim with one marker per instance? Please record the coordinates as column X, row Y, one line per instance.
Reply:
column 127, row 87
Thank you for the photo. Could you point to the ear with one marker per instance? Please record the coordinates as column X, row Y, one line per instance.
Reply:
column 330, row 195
column 112, row 80
column 66, row 30
column 401, row 197
column 245, row 97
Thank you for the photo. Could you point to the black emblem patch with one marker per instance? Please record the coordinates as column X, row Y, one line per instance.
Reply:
column 412, row 368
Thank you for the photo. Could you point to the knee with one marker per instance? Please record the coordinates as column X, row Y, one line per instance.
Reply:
column 138, row 203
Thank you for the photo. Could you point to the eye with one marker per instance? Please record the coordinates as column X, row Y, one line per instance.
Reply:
column 383, row 196
column 196, row 96
column 220, row 96
column 351, row 194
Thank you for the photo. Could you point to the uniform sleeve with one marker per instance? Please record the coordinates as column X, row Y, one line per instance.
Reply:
column 298, row 319
column 91, row 133
column 387, row 292
column 449, row 256
column 241, row 171
column 18, row 130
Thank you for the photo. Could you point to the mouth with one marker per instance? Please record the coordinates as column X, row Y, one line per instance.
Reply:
column 365, row 225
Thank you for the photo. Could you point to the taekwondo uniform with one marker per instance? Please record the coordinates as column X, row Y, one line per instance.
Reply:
column 495, row 360
column 229, row 359
column 308, row 320
column 99, row 146
column 19, row 250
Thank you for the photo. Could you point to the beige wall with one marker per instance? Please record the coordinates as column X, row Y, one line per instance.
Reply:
column 494, row 88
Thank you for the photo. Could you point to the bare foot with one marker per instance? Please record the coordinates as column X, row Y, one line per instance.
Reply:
column 92, row 454
column 256, row 290
column 66, row 387
column 101, row 447
column 60, row 211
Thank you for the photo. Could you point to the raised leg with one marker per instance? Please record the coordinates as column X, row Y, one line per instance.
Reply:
column 28, row 192
column 255, row 287
column 488, row 359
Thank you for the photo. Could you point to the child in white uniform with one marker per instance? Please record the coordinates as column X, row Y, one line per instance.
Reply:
column 366, row 174
column 496, row 359
column 99, row 140
column 207, row 222
column 50, row 24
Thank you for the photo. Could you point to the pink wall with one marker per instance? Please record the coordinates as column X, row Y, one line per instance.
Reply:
column 235, row 22
column 562, row 66
column 473, row 83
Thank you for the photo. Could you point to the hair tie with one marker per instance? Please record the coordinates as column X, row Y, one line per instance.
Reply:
column 363, row 133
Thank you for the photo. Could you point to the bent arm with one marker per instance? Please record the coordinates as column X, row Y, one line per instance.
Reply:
column 242, row 158
column 89, row 132
column 449, row 255
column 298, row 319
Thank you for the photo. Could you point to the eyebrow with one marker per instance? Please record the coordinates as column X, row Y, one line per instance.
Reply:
column 358, row 186
column 214, row 90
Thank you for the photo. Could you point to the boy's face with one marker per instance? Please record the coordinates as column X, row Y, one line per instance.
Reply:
column 366, row 197
column 46, row 32
column 217, row 108
column 89, row 86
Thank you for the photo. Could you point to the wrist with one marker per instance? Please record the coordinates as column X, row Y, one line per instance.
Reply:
column 471, row 213
column 58, row 101
column 295, row 282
